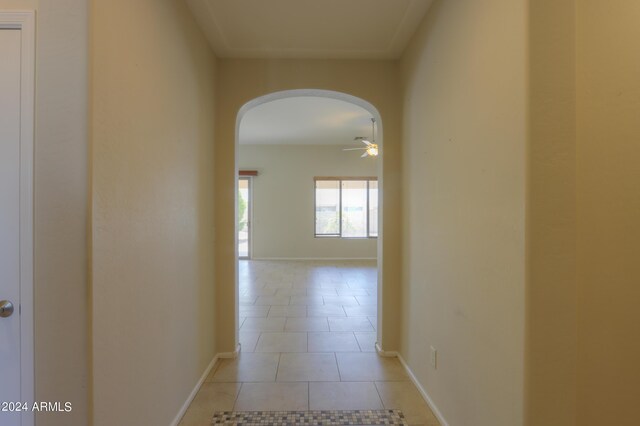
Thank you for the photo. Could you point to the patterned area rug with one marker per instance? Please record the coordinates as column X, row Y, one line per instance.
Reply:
column 317, row 418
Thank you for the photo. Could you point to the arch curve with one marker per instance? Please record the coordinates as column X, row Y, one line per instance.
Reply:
column 321, row 93
column 284, row 94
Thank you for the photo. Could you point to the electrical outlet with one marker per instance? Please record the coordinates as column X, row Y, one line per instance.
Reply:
column 434, row 358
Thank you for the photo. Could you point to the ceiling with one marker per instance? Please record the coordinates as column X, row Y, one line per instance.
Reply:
column 354, row 29
column 305, row 120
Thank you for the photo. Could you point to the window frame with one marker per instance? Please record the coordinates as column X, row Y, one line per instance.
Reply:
column 340, row 179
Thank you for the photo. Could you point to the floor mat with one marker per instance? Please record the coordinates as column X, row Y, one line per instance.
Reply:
column 317, row 418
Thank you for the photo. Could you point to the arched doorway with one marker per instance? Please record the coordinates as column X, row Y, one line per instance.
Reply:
column 373, row 112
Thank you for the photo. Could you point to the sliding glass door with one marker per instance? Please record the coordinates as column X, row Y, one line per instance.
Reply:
column 244, row 216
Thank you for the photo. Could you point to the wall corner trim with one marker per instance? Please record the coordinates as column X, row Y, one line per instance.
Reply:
column 226, row 355
column 422, row 391
column 386, row 354
column 193, row 393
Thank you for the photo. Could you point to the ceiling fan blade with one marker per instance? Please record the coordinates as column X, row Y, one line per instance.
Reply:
column 366, row 142
column 353, row 149
column 364, row 155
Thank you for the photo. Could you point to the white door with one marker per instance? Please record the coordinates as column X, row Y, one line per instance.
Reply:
column 10, row 368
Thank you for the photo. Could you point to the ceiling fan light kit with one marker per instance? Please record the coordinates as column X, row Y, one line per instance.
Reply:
column 370, row 148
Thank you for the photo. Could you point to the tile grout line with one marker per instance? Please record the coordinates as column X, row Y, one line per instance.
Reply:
column 375, row 384
column 372, row 326
column 333, row 291
column 235, row 401
column 278, row 367
column 255, row 346
column 357, row 341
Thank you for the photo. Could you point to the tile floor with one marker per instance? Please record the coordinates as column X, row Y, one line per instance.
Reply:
column 307, row 333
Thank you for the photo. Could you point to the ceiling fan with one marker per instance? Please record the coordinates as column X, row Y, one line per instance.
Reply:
column 371, row 147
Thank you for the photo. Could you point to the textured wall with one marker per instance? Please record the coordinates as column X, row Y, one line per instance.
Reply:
column 551, row 216
column 608, row 200
column 153, row 96
column 464, row 140
column 240, row 81
column 283, row 200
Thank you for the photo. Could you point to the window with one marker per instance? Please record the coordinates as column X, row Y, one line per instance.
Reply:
column 346, row 207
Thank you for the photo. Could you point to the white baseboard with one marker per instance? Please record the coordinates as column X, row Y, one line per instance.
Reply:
column 193, row 393
column 386, row 354
column 233, row 354
column 389, row 354
column 423, row 392
column 185, row 406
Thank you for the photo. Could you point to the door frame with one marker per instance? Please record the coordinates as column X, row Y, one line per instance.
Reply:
column 332, row 94
column 24, row 20
column 249, row 217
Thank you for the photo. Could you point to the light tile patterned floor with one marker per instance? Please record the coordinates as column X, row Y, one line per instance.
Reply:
column 307, row 335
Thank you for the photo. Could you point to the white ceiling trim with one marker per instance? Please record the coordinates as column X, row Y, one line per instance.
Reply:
column 392, row 34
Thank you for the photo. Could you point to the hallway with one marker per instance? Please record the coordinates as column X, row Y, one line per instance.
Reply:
column 307, row 335
column 509, row 187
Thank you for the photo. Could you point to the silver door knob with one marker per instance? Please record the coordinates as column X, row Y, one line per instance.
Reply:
column 6, row 308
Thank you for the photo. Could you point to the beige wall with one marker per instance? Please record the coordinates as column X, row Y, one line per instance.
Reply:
column 608, row 199
column 240, row 81
column 153, row 236
column 551, row 210
column 462, row 287
column 283, row 200
column 60, row 207
column 464, row 142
